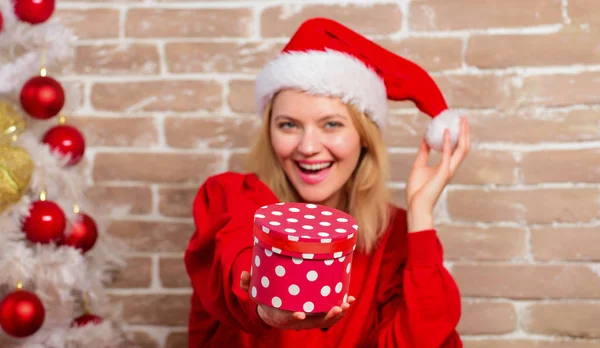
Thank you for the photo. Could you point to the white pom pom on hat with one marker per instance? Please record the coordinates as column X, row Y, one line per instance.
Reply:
column 326, row 58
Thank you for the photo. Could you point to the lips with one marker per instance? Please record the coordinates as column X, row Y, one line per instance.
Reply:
column 313, row 167
column 313, row 173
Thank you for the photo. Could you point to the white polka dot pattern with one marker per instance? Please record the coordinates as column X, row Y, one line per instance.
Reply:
column 302, row 257
column 311, row 219
column 297, row 284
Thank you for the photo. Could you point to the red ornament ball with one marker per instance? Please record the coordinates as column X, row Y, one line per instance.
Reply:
column 1, row 21
column 86, row 319
column 46, row 222
column 21, row 313
column 67, row 140
column 42, row 97
column 84, row 233
column 34, row 11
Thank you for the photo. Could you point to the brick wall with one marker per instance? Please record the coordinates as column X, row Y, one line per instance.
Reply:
column 167, row 100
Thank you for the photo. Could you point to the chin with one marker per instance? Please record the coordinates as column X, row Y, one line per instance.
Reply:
column 314, row 195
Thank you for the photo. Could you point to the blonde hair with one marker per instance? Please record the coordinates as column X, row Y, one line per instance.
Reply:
column 367, row 196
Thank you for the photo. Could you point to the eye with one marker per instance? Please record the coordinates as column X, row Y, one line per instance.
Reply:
column 333, row 124
column 283, row 125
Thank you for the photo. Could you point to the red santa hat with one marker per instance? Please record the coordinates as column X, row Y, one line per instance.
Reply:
column 326, row 58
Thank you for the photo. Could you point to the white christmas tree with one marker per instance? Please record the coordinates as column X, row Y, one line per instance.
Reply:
column 55, row 259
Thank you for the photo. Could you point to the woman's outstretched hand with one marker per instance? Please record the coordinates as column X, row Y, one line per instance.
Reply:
column 425, row 184
column 282, row 319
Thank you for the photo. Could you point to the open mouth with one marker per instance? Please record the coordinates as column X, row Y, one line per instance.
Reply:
column 313, row 168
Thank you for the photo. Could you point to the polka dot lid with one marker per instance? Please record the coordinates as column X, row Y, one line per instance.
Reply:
column 305, row 228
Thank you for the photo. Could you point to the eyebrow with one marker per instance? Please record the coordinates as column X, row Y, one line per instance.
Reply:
column 322, row 118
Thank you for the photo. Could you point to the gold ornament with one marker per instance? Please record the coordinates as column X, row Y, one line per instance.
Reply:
column 16, row 168
column 11, row 124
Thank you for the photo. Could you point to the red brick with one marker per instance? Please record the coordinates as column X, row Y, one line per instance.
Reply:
column 154, row 309
column 137, row 274
column 173, row 273
column 578, row 88
column 527, row 343
column 584, row 13
column 559, row 205
column 376, row 19
column 177, row 340
column 527, row 281
column 565, row 243
column 237, row 162
column 117, row 131
column 241, row 96
column 529, row 126
column 140, row 339
column 405, row 129
column 475, row 14
column 564, row 319
column 214, row 132
column 222, row 57
column 479, row 243
column 120, row 200
column 188, row 23
column 92, row 23
column 174, row 167
column 478, row 90
column 561, row 166
column 503, row 51
column 431, row 53
column 487, row 318
column 159, row 95
column 121, row 59
column 398, row 197
column 152, row 236
column 480, row 167
column 176, row 202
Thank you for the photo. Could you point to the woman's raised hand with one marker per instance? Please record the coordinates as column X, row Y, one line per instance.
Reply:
column 425, row 184
column 282, row 319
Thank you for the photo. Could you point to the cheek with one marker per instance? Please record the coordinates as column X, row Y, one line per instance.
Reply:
column 283, row 145
column 345, row 146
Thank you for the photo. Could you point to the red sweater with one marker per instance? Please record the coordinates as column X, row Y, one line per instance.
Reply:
column 404, row 295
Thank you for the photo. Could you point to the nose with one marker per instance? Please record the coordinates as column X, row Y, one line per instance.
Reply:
column 310, row 143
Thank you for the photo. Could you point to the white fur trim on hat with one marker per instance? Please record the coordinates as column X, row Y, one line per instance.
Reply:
column 329, row 73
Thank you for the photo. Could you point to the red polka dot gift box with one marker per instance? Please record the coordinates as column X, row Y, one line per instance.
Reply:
column 302, row 256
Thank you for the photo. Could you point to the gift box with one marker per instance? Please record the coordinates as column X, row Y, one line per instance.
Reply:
column 302, row 256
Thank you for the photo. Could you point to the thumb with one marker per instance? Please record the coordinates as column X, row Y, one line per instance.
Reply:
column 245, row 281
column 422, row 155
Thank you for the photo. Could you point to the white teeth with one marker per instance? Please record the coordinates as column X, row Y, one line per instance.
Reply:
column 314, row 166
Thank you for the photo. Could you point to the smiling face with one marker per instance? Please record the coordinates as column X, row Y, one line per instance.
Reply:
column 316, row 144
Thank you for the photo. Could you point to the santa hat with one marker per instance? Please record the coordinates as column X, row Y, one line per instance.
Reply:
column 326, row 58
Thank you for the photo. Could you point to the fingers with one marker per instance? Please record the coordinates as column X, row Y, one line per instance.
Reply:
column 299, row 315
column 422, row 155
column 468, row 134
column 245, row 280
column 300, row 320
column 333, row 313
column 337, row 313
column 442, row 174
column 463, row 146
column 447, row 151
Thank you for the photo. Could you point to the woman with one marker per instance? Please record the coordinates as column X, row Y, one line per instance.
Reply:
column 324, row 102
